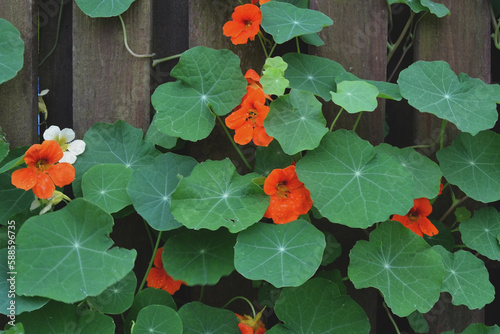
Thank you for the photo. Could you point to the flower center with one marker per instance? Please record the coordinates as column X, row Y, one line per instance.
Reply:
column 282, row 189
column 248, row 23
column 252, row 115
column 413, row 216
column 42, row 165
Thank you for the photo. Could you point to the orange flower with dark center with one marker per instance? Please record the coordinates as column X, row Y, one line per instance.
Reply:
column 248, row 119
column 43, row 172
column 245, row 24
column 249, row 325
column 416, row 219
column 158, row 277
column 289, row 196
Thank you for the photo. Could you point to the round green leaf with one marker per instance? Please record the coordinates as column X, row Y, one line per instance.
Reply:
column 117, row 298
column 466, row 279
column 215, row 195
column 14, row 200
column 352, row 185
column 66, row 255
column 285, row 21
column 418, row 323
column 22, row 303
column 151, row 187
column 158, row 319
column 209, row 81
column 283, row 255
column 271, row 157
column 481, row 329
column 333, row 249
column 103, row 8
column 473, row 164
column 355, row 96
column 437, row 9
column 399, row 263
column 199, row 257
column 11, row 51
column 296, row 121
column 273, row 81
column 313, row 74
column 155, row 136
column 387, row 90
column 317, row 307
column 434, row 88
column 117, row 143
column 480, row 232
column 425, row 172
column 106, row 184
column 444, row 238
column 199, row 318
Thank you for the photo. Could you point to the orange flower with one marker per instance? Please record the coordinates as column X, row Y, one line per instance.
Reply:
column 289, row 196
column 158, row 277
column 253, row 79
column 245, row 24
column 261, row 2
column 248, row 119
column 416, row 219
column 42, row 173
column 249, row 325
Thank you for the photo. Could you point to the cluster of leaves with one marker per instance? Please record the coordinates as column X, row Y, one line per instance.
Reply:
column 213, row 214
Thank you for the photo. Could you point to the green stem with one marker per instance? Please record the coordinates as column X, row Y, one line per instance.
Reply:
column 391, row 318
column 441, row 136
column 298, row 46
column 149, row 234
column 336, row 118
column 357, row 121
column 57, row 35
column 453, row 207
column 201, row 293
column 245, row 161
column 242, row 298
column 261, row 39
column 496, row 26
column 401, row 36
column 157, row 61
column 272, row 49
column 158, row 238
column 126, row 43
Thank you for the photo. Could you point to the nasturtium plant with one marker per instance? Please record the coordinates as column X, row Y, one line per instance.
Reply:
column 200, row 318
column 273, row 80
column 104, row 8
column 209, row 82
column 418, row 6
column 117, row 298
column 11, row 51
column 355, row 96
column 67, row 256
column 481, row 231
column 158, row 319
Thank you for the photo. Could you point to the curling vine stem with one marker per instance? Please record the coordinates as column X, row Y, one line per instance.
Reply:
column 242, row 298
column 57, row 35
column 126, row 43
column 401, row 36
column 161, row 60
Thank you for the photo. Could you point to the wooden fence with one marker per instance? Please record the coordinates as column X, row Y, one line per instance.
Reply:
column 92, row 78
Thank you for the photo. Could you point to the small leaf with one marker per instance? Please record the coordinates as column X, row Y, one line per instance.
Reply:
column 401, row 265
column 117, row 298
column 285, row 21
column 11, row 51
column 157, row 137
column 481, row 231
column 312, row 39
column 437, row 9
column 273, row 81
column 473, row 164
column 199, row 257
column 283, row 255
column 355, row 96
column 199, row 318
column 296, row 121
column 158, row 319
column 104, row 8
column 418, row 323
column 215, row 195
column 462, row 214
column 333, row 249
column 466, row 279
column 444, row 238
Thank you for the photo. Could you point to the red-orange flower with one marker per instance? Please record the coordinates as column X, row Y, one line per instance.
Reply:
column 249, row 325
column 245, row 24
column 248, row 119
column 158, row 277
column 289, row 196
column 43, row 172
column 416, row 219
column 253, row 79
column 261, row 2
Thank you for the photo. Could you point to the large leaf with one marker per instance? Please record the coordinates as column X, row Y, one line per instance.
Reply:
column 158, row 319
column 199, row 318
column 399, row 263
column 14, row 200
column 352, row 185
column 425, row 172
column 283, row 255
column 209, row 81
column 296, row 121
column 473, row 164
column 481, row 231
column 313, row 74
column 11, row 51
column 66, row 255
column 117, row 298
column 479, row 328
column 155, row 136
column 215, row 195
column 103, row 8
column 355, row 96
column 151, row 187
column 418, row 6
column 117, row 143
column 467, row 279
column 434, row 88
column 285, row 21
column 199, row 257
column 318, row 307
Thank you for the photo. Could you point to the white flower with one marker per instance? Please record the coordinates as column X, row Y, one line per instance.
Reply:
column 65, row 139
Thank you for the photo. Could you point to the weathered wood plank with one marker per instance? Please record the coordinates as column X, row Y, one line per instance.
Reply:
column 358, row 41
column 108, row 82
column 19, row 96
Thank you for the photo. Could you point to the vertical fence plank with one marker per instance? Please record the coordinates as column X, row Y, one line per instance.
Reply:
column 18, row 96
column 108, row 82
column 358, row 41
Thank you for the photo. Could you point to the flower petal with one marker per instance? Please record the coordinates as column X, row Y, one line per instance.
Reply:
column 243, row 135
column 157, row 260
column 427, row 227
column 24, row 178
column 44, row 187
column 50, row 151
column 77, row 147
column 52, row 133
column 68, row 157
column 68, row 135
column 62, row 174
column 156, row 278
